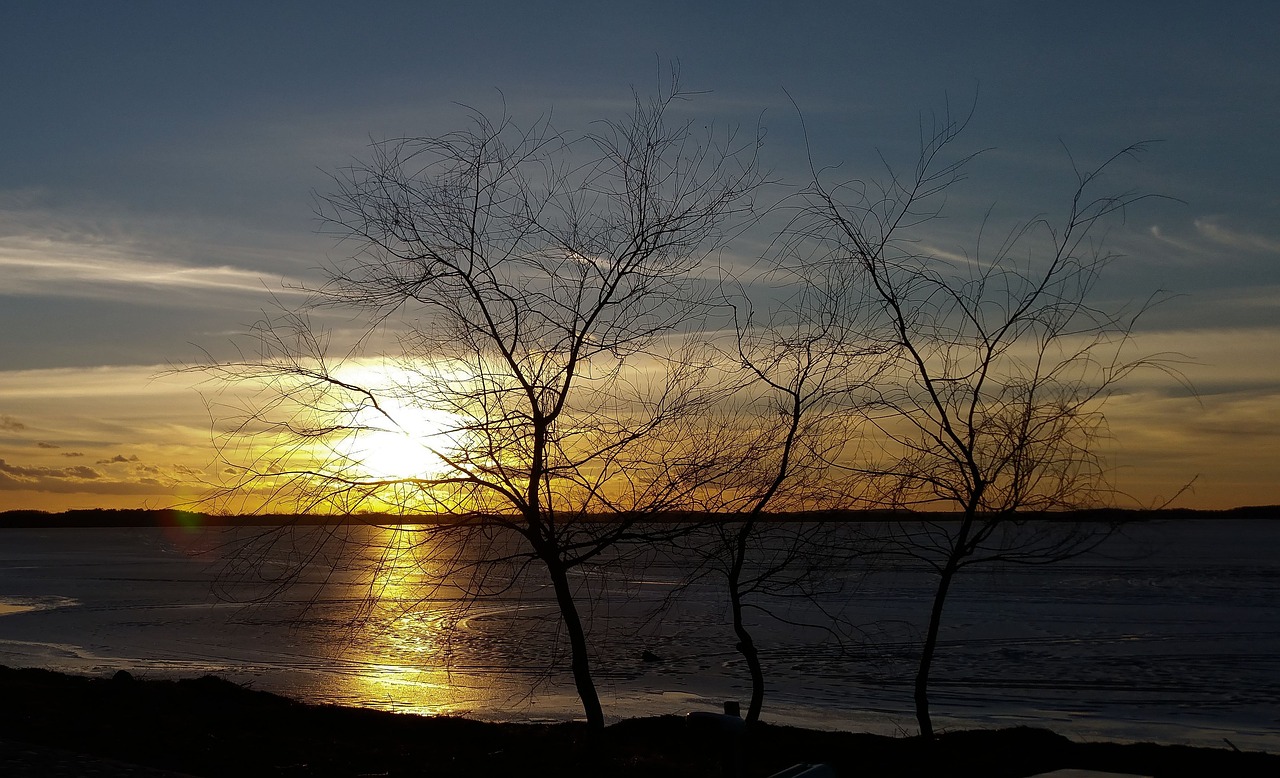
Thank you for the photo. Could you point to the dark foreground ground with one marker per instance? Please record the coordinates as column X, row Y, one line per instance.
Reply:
column 210, row 727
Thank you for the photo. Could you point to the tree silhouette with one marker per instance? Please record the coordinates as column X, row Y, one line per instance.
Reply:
column 796, row 358
column 533, row 288
column 994, row 405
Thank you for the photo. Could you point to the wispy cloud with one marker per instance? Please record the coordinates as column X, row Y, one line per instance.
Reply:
column 1206, row 237
column 77, row 247
column 1236, row 239
column 1164, row 238
column 61, row 269
column 1212, row 360
column 1227, row 442
column 131, row 381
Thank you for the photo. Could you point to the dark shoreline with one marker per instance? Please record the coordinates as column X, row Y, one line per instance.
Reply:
column 110, row 517
column 211, row 727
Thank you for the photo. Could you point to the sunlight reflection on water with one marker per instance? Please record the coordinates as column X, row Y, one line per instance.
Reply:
column 408, row 612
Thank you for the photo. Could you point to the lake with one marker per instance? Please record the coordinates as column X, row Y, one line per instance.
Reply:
column 1171, row 633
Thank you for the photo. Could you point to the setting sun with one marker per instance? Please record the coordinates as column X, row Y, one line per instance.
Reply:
column 409, row 448
column 401, row 438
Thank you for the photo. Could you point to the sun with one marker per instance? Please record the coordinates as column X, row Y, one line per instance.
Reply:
column 409, row 448
column 400, row 439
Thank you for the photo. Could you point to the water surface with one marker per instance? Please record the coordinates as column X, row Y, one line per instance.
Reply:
column 1172, row 635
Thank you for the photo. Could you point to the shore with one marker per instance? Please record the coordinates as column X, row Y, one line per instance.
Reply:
column 211, row 727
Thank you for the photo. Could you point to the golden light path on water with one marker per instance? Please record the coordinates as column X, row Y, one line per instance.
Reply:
column 400, row 654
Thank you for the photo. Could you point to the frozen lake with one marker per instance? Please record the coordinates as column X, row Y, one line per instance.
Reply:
column 1171, row 634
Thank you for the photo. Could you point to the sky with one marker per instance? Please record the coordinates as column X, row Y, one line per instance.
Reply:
column 159, row 164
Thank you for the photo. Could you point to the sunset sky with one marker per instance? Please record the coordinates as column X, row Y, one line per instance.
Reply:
column 158, row 164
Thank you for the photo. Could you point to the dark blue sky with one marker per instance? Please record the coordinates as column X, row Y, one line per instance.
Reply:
column 158, row 159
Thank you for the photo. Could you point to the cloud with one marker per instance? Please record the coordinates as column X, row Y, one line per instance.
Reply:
column 146, row 383
column 43, row 444
column 1243, row 241
column 61, row 486
column 40, row 473
column 1159, row 234
column 45, row 267
column 94, row 251
column 78, row 479
column 1229, row 440
column 72, row 454
column 118, row 458
column 10, row 424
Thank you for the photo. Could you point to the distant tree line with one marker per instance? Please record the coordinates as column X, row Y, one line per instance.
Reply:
column 138, row 517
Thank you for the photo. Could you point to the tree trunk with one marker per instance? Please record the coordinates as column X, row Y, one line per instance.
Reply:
column 959, row 550
column 926, row 653
column 747, row 647
column 578, row 647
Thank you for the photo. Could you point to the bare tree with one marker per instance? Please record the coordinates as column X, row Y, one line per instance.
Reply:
column 776, row 441
column 994, row 407
column 535, row 289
